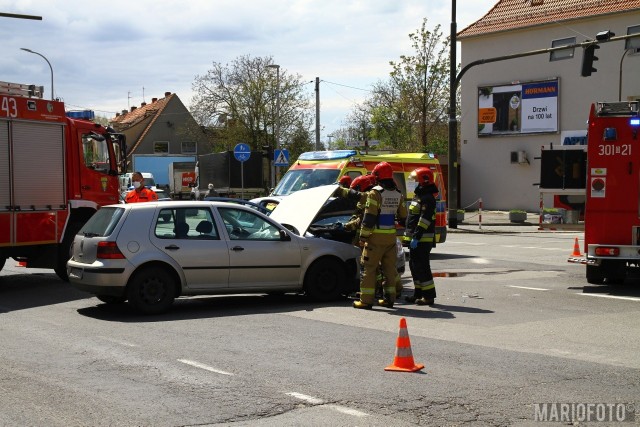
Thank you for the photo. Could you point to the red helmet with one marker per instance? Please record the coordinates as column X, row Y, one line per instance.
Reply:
column 383, row 170
column 363, row 183
column 345, row 181
column 422, row 176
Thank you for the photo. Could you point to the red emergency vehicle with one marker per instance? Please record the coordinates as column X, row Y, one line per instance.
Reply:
column 56, row 170
column 612, row 210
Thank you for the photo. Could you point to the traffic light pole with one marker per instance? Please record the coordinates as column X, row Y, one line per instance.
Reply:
column 452, row 189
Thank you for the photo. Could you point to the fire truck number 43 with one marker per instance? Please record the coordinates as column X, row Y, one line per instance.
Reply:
column 9, row 107
column 614, row 150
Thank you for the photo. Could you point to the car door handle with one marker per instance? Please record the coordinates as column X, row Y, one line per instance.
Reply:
column 237, row 248
column 172, row 247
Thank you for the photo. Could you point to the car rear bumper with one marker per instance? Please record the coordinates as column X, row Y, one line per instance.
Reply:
column 98, row 280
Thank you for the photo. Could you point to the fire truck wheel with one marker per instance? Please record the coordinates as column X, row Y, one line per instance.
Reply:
column 64, row 251
column 151, row 290
column 594, row 275
column 325, row 280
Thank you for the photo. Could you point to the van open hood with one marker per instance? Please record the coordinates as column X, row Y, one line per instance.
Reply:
column 300, row 208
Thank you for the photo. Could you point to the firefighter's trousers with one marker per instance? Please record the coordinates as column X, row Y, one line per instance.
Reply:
column 420, row 267
column 380, row 249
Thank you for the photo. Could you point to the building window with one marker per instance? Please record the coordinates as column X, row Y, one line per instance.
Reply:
column 161, row 147
column 189, row 147
column 561, row 54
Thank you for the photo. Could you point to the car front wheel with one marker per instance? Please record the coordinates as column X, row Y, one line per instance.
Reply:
column 151, row 290
column 325, row 280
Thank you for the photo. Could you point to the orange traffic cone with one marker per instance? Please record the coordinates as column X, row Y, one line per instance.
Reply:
column 403, row 360
column 576, row 248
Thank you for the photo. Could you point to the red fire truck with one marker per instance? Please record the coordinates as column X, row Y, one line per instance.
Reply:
column 56, row 170
column 612, row 210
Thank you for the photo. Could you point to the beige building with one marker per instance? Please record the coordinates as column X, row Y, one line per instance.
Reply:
column 162, row 128
column 511, row 109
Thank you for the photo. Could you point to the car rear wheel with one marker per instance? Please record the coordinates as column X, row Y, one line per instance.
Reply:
column 325, row 280
column 151, row 290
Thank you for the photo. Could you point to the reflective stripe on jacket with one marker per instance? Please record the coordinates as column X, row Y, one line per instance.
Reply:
column 421, row 221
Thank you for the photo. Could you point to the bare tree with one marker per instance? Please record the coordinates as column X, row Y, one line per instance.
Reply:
column 237, row 101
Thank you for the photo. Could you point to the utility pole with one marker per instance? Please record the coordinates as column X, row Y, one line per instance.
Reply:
column 452, row 171
column 317, row 113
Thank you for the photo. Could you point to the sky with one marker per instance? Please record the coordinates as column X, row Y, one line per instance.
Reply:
column 111, row 55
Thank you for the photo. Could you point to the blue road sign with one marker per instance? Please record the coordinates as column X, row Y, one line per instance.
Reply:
column 281, row 157
column 242, row 152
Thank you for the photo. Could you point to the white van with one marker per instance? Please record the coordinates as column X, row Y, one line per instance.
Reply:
column 125, row 181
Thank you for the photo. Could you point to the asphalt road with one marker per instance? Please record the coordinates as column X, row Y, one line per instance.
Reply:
column 514, row 325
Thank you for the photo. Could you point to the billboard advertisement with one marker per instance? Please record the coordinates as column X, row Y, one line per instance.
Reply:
column 522, row 108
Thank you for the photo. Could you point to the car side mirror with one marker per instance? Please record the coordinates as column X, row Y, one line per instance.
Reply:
column 284, row 236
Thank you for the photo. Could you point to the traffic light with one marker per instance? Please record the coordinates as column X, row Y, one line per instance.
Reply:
column 588, row 57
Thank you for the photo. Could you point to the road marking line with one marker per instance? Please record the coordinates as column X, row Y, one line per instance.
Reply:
column 315, row 401
column 348, row 411
column 308, row 399
column 526, row 287
column 203, row 366
column 612, row 297
column 124, row 343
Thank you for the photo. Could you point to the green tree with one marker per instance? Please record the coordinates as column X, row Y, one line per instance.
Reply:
column 408, row 111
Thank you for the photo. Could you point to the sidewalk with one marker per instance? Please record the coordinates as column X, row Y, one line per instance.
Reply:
column 498, row 222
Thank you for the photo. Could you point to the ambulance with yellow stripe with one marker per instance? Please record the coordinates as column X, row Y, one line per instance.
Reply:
column 316, row 168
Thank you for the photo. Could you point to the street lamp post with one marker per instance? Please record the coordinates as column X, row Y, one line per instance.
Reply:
column 50, row 67
column 277, row 132
column 620, row 76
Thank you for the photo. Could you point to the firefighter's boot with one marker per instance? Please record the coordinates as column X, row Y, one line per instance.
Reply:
column 385, row 303
column 362, row 305
column 425, row 301
column 417, row 294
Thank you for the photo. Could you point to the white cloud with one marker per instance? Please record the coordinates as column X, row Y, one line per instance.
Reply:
column 104, row 53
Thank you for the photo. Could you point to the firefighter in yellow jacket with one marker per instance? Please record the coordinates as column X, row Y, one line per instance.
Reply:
column 383, row 206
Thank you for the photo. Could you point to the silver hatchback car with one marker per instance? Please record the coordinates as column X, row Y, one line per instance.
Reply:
column 151, row 253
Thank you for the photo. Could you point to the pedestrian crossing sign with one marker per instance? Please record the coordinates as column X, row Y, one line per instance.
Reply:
column 281, row 157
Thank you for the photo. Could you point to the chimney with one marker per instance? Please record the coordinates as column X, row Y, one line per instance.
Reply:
column 117, row 114
column 124, row 112
column 154, row 100
column 167, row 94
column 133, row 108
column 143, row 104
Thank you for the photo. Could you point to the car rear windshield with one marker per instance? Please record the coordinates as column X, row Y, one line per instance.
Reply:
column 102, row 223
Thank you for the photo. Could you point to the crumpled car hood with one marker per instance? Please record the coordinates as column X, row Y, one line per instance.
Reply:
column 300, row 208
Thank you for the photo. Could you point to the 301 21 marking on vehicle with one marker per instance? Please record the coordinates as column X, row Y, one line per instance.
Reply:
column 203, row 366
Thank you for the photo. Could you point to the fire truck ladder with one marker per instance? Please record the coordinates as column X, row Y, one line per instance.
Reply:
column 18, row 89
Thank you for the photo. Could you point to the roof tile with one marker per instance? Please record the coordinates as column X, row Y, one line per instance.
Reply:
column 515, row 14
